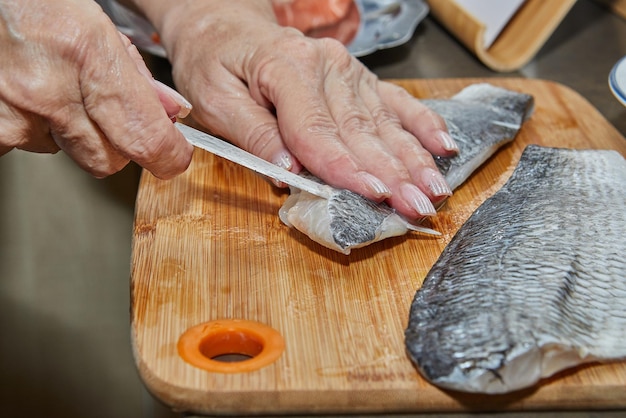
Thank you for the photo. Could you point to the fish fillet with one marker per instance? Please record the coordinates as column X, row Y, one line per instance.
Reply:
column 481, row 118
column 534, row 282
column 344, row 221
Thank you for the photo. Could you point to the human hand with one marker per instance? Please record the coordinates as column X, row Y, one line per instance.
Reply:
column 297, row 101
column 70, row 81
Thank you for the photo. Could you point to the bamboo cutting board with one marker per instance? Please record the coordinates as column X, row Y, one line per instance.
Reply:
column 208, row 245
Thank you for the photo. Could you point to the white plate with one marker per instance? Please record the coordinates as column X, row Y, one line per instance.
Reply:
column 617, row 80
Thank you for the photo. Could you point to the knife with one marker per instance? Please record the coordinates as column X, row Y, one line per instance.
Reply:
column 237, row 155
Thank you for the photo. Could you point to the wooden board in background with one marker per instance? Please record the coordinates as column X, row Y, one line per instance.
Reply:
column 521, row 38
column 209, row 245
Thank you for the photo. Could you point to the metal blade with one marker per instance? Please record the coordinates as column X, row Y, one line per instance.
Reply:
column 237, row 155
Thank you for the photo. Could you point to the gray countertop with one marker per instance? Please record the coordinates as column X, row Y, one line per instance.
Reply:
column 65, row 237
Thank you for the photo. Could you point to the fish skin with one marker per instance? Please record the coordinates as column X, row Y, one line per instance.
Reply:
column 533, row 283
column 355, row 220
column 352, row 221
column 481, row 118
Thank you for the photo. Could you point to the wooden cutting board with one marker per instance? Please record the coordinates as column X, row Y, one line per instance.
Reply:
column 208, row 245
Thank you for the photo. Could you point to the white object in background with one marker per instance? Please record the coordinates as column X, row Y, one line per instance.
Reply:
column 494, row 14
column 617, row 80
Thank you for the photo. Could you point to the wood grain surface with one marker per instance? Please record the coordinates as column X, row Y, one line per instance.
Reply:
column 517, row 43
column 209, row 245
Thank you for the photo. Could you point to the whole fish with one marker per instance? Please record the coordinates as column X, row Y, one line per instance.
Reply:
column 481, row 118
column 534, row 282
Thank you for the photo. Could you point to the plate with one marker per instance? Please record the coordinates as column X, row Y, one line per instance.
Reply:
column 617, row 80
column 386, row 24
column 383, row 24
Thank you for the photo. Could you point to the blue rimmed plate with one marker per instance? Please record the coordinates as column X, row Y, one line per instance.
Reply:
column 383, row 24
column 386, row 24
column 617, row 80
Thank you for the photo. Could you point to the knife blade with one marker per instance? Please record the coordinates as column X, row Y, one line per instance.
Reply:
column 237, row 155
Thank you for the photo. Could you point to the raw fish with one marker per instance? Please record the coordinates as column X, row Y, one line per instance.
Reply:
column 480, row 118
column 534, row 282
column 349, row 220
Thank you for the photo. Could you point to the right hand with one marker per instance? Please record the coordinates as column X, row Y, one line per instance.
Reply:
column 69, row 80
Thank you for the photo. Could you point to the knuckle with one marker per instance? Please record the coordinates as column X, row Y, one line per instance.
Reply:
column 260, row 138
column 341, row 60
column 355, row 121
column 398, row 91
column 76, row 42
column 103, row 163
column 13, row 133
column 384, row 117
column 334, row 48
column 303, row 48
column 106, row 169
column 144, row 144
column 411, row 150
column 431, row 116
column 338, row 163
column 27, row 134
column 317, row 122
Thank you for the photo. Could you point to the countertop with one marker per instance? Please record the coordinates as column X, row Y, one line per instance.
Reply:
column 65, row 237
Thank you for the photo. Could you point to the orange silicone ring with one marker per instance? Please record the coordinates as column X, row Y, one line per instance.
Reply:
column 199, row 345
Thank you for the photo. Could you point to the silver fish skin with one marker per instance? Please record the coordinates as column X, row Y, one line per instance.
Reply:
column 344, row 221
column 481, row 118
column 533, row 283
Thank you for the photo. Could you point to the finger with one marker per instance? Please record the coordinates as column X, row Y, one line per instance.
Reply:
column 256, row 129
column 426, row 125
column 307, row 126
column 316, row 142
column 80, row 138
column 363, row 127
column 24, row 131
column 406, row 147
column 126, row 108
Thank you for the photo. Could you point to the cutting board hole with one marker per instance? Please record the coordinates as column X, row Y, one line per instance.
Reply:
column 230, row 346
column 231, row 358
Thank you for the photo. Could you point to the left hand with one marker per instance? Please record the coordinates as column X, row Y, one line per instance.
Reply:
column 298, row 101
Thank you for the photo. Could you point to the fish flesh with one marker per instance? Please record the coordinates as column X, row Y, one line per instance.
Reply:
column 481, row 118
column 533, row 283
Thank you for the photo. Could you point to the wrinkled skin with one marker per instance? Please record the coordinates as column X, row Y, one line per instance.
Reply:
column 292, row 100
column 70, row 81
column 298, row 101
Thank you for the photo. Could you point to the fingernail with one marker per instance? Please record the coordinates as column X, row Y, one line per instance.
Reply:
column 375, row 185
column 447, row 141
column 436, row 182
column 185, row 106
column 284, row 161
column 418, row 200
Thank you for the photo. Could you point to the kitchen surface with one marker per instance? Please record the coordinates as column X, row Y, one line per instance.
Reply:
column 65, row 237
